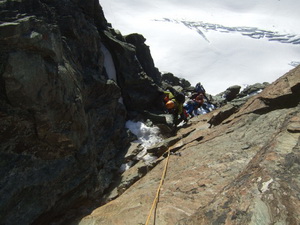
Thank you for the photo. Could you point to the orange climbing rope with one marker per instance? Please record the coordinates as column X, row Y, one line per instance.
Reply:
column 155, row 201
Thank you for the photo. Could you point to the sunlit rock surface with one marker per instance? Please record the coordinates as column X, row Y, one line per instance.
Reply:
column 243, row 171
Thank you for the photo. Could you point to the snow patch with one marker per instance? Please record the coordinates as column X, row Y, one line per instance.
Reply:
column 147, row 137
column 109, row 64
column 125, row 166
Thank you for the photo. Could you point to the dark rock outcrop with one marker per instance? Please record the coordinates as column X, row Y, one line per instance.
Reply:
column 139, row 91
column 169, row 79
column 252, row 89
column 144, row 56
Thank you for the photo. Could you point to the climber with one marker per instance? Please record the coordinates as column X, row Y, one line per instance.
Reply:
column 199, row 89
column 175, row 107
column 168, row 95
column 192, row 106
column 199, row 99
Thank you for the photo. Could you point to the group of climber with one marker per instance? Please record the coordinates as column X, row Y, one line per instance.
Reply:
column 181, row 110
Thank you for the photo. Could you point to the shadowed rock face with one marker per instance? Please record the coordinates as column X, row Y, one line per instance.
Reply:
column 245, row 170
column 144, row 56
column 62, row 125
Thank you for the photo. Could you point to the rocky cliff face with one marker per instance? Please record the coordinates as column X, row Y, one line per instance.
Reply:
column 63, row 75
column 242, row 170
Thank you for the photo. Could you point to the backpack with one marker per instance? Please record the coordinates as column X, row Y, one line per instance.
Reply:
column 199, row 88
column 180, row 97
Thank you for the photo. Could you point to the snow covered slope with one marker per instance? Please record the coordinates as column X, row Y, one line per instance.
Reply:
column 218, row 43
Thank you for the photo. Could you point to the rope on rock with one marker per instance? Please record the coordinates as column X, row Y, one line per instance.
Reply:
column 155, row 201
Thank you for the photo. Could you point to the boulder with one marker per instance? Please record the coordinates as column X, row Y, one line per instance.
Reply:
column 232, row 92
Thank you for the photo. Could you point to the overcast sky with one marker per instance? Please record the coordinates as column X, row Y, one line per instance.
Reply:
column 222, row 59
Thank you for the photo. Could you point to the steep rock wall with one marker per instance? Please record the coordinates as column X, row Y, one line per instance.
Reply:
column 62, row 123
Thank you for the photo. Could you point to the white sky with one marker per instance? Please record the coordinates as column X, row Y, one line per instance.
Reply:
column 228, row 58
